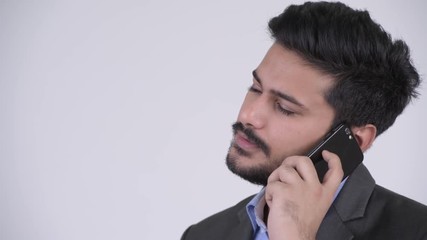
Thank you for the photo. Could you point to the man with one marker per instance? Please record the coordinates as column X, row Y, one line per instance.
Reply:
column 329, row 64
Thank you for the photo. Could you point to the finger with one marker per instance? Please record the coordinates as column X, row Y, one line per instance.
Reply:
column 284, row 173
column 335, row 173
column 304, row 167
column 275, row 188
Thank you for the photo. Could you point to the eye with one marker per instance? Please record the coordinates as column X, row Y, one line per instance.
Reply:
column 284, row 110
column 254, row 89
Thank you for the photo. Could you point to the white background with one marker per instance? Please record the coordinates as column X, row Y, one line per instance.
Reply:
column 115, row 115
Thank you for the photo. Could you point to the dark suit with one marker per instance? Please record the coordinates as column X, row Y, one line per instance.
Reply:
column 362, row 210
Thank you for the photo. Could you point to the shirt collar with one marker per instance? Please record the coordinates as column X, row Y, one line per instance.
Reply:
column 255, row 210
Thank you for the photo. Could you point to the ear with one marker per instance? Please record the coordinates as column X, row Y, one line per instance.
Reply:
column 365, row 135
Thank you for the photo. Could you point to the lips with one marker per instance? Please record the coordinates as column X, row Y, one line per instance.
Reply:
column 243, row 142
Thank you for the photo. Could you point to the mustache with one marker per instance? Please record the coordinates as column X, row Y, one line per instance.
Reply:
column 250, row 134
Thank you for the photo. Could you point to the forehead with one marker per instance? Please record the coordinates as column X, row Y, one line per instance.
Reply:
column 285, row 71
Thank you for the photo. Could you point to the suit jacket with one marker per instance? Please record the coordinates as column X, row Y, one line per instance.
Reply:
column 362, row 210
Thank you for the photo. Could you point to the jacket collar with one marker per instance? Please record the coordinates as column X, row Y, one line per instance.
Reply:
column 350, row 204
column 244, row 228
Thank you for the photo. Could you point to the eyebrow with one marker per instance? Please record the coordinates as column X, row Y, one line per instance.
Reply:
column 284, row 96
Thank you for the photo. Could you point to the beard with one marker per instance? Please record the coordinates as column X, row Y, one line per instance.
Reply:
column 255, row 174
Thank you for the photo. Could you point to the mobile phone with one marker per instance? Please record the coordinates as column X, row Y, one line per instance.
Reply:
column 341, row 142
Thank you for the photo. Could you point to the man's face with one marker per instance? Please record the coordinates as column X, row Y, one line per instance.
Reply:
column 284, row 113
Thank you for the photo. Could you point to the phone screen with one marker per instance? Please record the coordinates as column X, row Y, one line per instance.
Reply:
column 341, row 142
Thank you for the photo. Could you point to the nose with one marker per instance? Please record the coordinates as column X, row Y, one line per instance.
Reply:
column 253, row 112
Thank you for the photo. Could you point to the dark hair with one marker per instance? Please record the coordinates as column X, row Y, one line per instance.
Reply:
column 375, row 78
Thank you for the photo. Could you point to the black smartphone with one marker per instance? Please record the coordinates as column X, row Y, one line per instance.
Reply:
column 341, row 142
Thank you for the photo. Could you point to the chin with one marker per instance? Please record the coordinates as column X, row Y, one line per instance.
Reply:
column 242, row 166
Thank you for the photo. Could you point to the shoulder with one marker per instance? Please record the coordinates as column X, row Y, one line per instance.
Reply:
column 395, row 216
column 370, row 211
column 397, row 204
column 220, row 224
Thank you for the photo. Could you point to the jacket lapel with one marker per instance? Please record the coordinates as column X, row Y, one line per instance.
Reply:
column 332, row 227
column 244, row 229
column 350, row 204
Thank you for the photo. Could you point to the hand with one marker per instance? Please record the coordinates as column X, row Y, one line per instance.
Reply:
column 298, row 201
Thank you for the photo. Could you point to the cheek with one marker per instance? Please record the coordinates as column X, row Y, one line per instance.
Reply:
column 286, row 138
column 293, row 139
